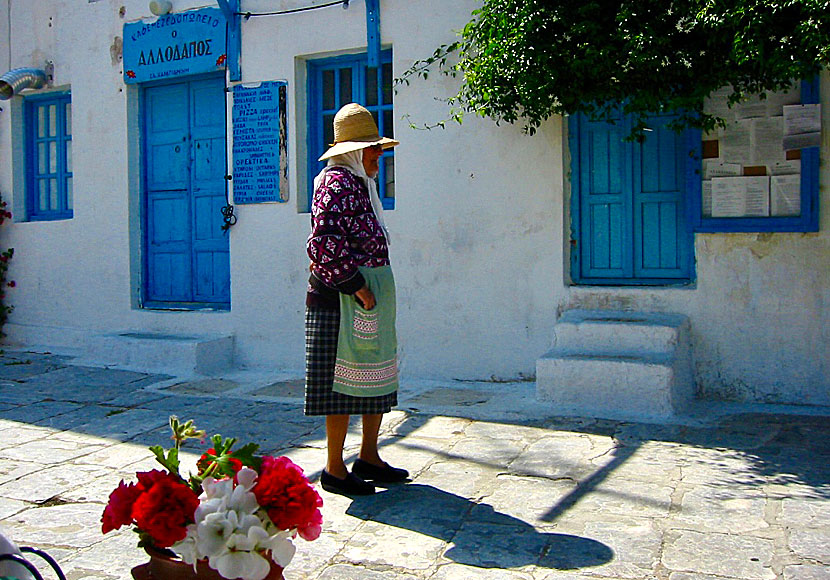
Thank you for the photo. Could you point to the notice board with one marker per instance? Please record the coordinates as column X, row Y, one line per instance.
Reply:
column 260, row 167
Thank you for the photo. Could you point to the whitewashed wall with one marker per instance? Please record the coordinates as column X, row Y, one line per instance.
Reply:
column 478, row 233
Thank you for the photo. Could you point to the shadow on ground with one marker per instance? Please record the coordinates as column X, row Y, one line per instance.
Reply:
column 487, row 538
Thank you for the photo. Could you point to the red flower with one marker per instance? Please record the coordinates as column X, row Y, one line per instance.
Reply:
column 290, row 500
column 221, row 60
column 164, row 508
column 120, row 507
column 130, row 74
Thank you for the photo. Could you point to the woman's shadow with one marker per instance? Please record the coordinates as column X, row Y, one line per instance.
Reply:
column 480, row 536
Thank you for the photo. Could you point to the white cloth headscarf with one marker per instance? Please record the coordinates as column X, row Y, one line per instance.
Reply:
column 353, row 161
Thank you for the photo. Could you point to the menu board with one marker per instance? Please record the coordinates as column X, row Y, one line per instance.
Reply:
column 259, row 145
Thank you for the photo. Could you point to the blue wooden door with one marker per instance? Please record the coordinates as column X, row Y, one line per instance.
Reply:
column 628, row 203
column 187, row 254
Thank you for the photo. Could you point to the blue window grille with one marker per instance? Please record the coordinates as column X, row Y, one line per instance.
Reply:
column 334, row 82
column 806, row 221
column 49, row 157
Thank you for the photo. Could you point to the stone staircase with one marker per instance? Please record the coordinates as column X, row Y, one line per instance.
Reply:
column 161, row 353
column 618, row 365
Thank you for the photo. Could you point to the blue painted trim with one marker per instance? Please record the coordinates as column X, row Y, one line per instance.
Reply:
column 574, row 127
column 230, row 8
column 63, row 212
column 694, row 175
column 808, row 221
column 373, row 32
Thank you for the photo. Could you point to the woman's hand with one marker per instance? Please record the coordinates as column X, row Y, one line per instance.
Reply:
column 365, row 298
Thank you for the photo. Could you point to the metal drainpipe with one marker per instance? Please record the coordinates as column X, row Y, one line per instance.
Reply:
column 18, row 79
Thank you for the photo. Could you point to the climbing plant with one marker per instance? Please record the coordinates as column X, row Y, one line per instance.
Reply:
column 5, row 257
column 525, row 60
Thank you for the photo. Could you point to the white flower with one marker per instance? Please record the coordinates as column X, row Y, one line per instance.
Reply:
column 281, row 547
column 213, row 532
column 233, row 532
column 239, row 558
column 187, row 548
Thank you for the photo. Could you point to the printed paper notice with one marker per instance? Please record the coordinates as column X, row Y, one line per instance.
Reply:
column 711, row 168
column 785, row 195
column 802, row 126
column 706, row 198
column 735, row 144
column 740, row 197
column 766, row 137
column 792, row 167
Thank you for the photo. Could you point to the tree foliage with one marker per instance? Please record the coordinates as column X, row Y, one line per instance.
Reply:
column 525, row 60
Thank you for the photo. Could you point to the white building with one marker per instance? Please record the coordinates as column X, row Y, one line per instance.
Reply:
column 117, row 197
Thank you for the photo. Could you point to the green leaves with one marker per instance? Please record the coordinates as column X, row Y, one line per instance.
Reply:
column 530, row 59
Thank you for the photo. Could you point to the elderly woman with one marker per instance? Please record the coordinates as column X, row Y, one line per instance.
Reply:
column 351, row 348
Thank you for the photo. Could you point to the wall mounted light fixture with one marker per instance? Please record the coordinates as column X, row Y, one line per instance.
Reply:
column 161, row 7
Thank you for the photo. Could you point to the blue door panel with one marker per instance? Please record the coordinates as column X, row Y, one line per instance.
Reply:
column 629, row 204
column 188, row 252
column 171, row 278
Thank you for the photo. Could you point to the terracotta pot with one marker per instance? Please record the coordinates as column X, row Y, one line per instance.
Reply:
column 164, row 565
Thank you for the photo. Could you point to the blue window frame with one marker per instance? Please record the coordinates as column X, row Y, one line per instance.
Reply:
column 807, row 221
column 49, row 157
column 334, row 82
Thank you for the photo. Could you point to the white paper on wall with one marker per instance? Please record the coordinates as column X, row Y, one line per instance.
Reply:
column 735, row 143
column 765, row 141
column 706, row 198
column 792, row 167
column 752, row 108
column 802, row 126
column 716, row 104
column 785, row 195
column 778, row 99
column 740, row 197
column 713, row 168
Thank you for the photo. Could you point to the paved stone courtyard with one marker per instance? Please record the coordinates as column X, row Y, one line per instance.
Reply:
column 501, row 488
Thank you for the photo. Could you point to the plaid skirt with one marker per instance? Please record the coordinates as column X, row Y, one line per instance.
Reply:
column 321, row 329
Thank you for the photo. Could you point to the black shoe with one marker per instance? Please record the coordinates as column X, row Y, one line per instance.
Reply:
column 350, row 485
column 385, row 474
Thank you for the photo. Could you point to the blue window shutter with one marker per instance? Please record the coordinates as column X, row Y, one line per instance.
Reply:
column 49, row 182
column 659, row 183
column 629, row 203
column 605, row 176
column 334, row 82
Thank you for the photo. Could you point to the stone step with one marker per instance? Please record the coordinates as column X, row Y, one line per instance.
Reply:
column 162, row 353
column 615, row 332
column 626, row 366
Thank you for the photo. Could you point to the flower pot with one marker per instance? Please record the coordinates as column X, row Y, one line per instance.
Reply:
column 164, row 565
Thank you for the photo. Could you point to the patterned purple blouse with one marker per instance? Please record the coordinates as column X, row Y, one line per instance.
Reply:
column 345, row 233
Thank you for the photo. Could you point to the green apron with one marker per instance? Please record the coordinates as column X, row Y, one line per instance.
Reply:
column 367, row 346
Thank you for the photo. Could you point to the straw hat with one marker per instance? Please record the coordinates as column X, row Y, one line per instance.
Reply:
column 354, row 129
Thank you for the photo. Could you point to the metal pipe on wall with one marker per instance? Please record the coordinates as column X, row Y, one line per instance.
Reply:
column 18, row 79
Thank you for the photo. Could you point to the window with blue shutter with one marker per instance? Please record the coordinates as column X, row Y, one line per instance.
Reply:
column 49, row 157
column 334, row 82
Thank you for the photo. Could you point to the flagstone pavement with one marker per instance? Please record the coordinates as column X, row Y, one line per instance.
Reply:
column 501, row 488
